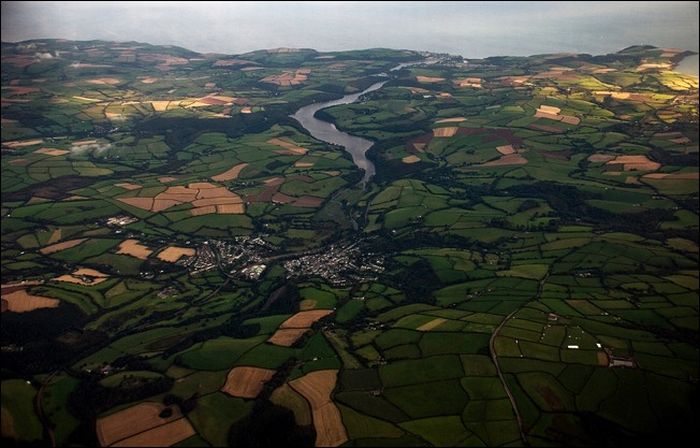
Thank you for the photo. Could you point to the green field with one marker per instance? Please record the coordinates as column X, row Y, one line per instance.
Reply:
column 527, row 246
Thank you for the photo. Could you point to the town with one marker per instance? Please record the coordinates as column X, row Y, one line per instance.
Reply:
column 247, row 257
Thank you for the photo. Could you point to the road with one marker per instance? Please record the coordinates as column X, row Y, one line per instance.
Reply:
column 503, row 380
column 39, row 405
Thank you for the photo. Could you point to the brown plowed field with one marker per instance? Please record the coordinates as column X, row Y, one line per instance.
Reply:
column 20, row 301
column 290, row 147
column 598, row 158
column 55, row 236
column 288, row 78
column 295, row 327
column 511, row 159
column 304, row 319
column 134, row 248
column 218, row 199
column 635, row 163
column 93, row 276
column 174, row 253
column 52, row 151
column 428, row 79
column 133, row 420
column 317, row 387
column 128, row 186
column 61, row 246
column 287, row 337
column 165, row 435
column 505, row 150
column 246, row 382
column 308, row 201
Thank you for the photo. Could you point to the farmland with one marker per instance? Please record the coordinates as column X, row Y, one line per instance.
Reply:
column 184, row 264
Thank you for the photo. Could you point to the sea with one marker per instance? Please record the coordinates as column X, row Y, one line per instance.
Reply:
column 471, row 29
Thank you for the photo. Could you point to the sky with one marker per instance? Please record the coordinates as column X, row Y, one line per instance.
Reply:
column 470, row 29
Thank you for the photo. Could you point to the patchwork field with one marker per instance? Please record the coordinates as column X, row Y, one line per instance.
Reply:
column 184, row 265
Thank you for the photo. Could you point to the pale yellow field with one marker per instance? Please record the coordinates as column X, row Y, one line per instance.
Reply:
column 549, row 109
column 230, row 174
column 468, row 82
column 428, row 79
column 104, row 81
column 432, row 324
column 160, row 106
column 128, row 186
column 451, row 120
column 84, row 142
column 22, row 143
column 445, row 132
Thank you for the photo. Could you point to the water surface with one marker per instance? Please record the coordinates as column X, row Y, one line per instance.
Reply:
column 688, row 66
column 327, row 132
column 472, row 29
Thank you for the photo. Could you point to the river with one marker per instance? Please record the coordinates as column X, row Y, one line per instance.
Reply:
column 327, row 132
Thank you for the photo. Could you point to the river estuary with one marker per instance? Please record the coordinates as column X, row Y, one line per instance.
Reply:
column 327, row 132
